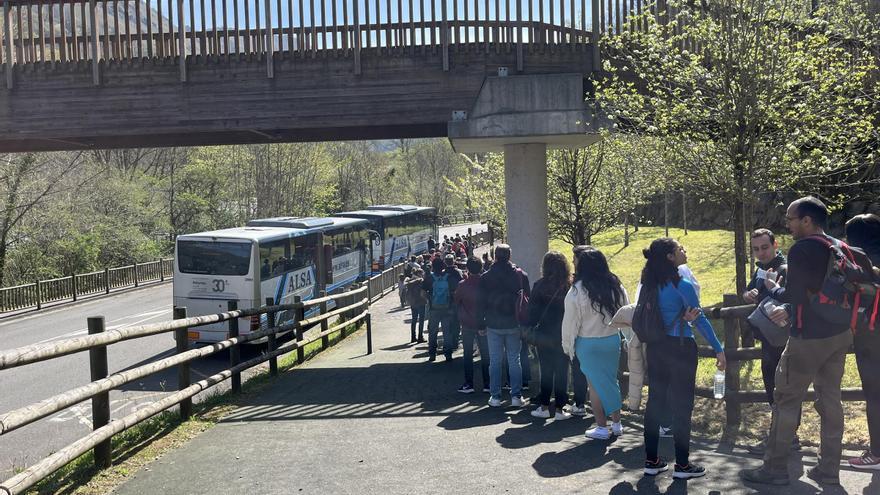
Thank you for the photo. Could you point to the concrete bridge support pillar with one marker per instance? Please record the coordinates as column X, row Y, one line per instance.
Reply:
column 523, row 116
column 525, row 188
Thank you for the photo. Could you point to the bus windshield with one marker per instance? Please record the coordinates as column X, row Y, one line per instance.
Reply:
column 214, row 258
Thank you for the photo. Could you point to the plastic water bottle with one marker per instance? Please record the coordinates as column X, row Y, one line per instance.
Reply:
column 719, row 384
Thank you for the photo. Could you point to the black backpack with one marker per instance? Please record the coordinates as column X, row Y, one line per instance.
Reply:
column 647, row 321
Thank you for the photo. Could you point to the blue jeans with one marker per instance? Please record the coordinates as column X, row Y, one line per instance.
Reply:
column 507, row 341
column 436, row 319
column 468, row 336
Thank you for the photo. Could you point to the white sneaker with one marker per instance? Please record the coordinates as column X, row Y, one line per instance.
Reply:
column 540, row 412
column 616, row 429
column 518, row 402
column 598, row 433
column 577, row 410
column 493, row 402
column 561, row 416
column 665, row 432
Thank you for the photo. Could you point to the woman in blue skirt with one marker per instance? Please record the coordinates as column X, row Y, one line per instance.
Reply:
column 594, row 298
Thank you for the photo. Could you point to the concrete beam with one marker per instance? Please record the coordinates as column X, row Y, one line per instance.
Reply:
column 542, row 108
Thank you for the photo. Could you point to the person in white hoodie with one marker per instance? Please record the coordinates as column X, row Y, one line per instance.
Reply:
column 590, row 304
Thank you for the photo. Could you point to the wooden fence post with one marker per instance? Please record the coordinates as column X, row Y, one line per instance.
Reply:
column 444, row 37
column 357, row 39
column 270, row 340
column 181, row 336
column 235, row 351
column 325, row 340
column 731, row 379
column 162, row 266
column 370, row 334
column 107, row 280
column 39, row 295
column 298, row 330
column 100, row 402
column 135, row 274
column 73, row 282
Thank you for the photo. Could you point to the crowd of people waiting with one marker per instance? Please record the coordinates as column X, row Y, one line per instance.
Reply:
column 579, row 323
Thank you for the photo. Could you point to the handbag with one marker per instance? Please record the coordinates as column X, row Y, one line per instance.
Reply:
column 774, row 334
column 535, row 337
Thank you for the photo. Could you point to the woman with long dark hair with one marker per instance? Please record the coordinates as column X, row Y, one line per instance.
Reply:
column 672, row 361
column 590, row 305
column 863, row 231
column 546, row 307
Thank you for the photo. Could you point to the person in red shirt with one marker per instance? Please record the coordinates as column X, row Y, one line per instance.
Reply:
column 466, row 300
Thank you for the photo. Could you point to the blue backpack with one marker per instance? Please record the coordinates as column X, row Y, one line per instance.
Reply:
column 440, row 297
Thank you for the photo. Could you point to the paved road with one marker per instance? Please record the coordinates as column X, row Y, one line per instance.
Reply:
column 390, row 423
column 28, row 384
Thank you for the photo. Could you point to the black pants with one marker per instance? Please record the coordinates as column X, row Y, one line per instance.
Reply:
column 418, row 317
column 468, row 337
column 867, row 347
column 672, row 368
column 554, row 376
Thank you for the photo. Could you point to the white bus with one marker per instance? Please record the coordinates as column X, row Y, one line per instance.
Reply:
column 403, row 230
column 247, row 265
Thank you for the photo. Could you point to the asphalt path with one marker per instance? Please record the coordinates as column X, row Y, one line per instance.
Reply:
column 28, row 384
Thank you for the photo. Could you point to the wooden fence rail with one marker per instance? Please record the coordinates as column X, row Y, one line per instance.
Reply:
column 72, row 287
column 737, row 334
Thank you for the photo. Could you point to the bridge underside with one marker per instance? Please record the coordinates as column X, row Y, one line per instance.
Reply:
column 144, row 104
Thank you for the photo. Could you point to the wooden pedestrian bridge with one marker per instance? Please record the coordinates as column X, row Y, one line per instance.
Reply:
column 100, row 74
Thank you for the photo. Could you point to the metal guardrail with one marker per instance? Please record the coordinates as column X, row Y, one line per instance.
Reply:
column 82, row 284
column 459, row 218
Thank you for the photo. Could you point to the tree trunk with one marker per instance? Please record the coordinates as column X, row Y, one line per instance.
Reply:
column 626, row 230
column 684, row 212
column 666, row 211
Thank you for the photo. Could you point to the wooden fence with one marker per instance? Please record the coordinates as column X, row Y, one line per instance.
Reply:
column 739, row 345
column 354, row 305
column 71, row 288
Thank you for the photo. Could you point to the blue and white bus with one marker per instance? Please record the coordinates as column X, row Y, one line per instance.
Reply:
column 401, row 231
column 246, row 265
column 344, row 242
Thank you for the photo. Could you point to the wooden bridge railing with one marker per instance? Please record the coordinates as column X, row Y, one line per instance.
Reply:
column 43, row 32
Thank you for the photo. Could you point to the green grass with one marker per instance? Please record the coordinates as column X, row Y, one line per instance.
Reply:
column 711, row 257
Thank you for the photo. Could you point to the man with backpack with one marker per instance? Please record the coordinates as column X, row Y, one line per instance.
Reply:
column 815, row 353
column 769, row 262
column 503, row 292
column 439, row 287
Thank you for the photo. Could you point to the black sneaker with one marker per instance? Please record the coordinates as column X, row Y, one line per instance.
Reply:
column 448, row 356
column 466, row 389
column 431, row 359
column 525, row 386
column 761, row 476
column 823, row 479
column 653, row 468
column 690, row 471
column 485, row 390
